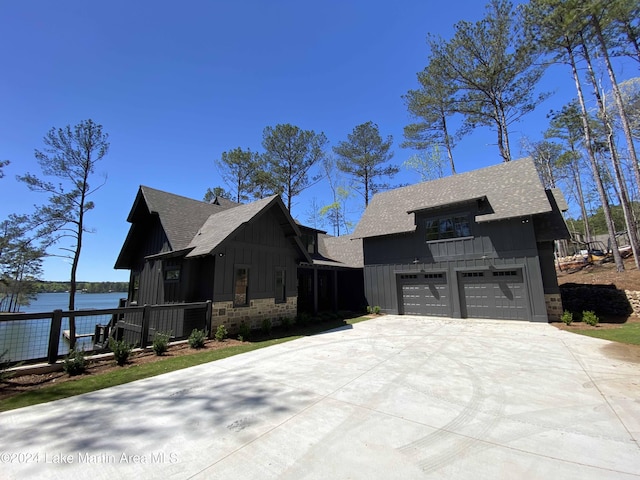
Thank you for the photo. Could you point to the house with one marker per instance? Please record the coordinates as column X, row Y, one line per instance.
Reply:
column 474, row 245
column 247, row 259
column 333, row 280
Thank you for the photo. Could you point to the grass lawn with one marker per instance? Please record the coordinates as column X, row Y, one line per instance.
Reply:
column 97, row 382
column 626, row 333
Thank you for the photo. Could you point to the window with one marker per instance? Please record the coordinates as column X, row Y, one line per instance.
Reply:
column 135, row 287
column 472, row 274
column 309, row 242
column 434, row 275
column 447, row 227
column 505, row 273
column 241, row 287
column 281, row 286
column 172, row 274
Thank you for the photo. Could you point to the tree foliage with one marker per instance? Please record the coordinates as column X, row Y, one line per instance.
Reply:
column 238, row 169
column 290, row 154
column 362, row 157
column 433, row 105
column 3, row 163
column 20, row 262
column 70, row 154
column 335, row 212
column 630, row 92
column 428, row 164
column 212, row 193
column 493, row 69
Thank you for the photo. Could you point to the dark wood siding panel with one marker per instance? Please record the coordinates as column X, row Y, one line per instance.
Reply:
column 150, row 283
column 547, row 266
column 263, row 247
column 200, row 279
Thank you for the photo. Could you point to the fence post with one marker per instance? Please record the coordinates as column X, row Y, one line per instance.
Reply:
column 54, row 336
column 207, row 319
column 144, row 334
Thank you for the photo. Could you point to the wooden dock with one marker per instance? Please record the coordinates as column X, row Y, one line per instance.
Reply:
column 67, row 334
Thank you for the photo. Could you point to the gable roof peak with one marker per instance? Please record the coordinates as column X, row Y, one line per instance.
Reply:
column 513, row 189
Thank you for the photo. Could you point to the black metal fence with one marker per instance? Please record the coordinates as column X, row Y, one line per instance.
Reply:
column 45, row 336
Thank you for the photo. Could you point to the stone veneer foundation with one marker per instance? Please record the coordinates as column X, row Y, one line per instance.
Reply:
column 554, row 306
column 224, row 313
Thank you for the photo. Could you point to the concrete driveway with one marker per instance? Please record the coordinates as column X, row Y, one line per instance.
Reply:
column 395, row 397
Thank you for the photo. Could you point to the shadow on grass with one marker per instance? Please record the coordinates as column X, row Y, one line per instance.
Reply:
column 91, row 383
column 312, row 327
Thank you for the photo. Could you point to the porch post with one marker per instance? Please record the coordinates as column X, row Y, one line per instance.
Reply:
column 315, row 291
column 54, row 336
column 335, row 290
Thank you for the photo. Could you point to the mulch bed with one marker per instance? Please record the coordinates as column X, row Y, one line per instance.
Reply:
column 24, row 383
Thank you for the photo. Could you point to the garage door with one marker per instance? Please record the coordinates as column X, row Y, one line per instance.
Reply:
column 494, row 294
column 425, row 294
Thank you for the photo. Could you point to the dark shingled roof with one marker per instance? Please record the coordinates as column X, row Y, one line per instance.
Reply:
column 513, row 189
column 344, row 250
column 181, row 217
column 222, row 225
column 551, row 226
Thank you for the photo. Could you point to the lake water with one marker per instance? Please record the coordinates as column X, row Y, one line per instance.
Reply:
column 48, row 302
column 29, row 339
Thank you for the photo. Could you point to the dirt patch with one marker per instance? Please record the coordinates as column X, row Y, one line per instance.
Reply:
column 25, row 383
column 604, row 274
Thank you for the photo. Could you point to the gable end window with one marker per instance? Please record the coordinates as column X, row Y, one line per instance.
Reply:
column 443, row 228
column 241, row 287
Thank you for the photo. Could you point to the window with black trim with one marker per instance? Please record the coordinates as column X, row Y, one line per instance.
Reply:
column 505, row 273
column 172, row 273
column 241, row 287
column 135, row 287
column 281, row 286
column 309, row 242
column 442, row 228
column 472, row 274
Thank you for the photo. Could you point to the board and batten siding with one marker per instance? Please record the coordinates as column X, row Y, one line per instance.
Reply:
column 500, row 244
column 151, row 289
column 262, row 247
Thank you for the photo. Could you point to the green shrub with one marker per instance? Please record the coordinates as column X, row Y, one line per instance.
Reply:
column 74, row 363
column 303, row 319
column 377, row 310
column 590, row 318
column 197, row 338
column 285, row 323
column 121, row 350
column 244, row 332
column 161, row 343
column 221, row 333
column 567, row 317
column 266, row 326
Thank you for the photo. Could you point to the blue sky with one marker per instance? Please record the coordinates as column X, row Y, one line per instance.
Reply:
column 175, row 84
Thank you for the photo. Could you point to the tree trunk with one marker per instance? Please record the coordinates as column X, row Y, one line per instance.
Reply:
column 615, row 162
column 583, row 208
column 626, row 127
column 448, row 146
column 594, row 163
